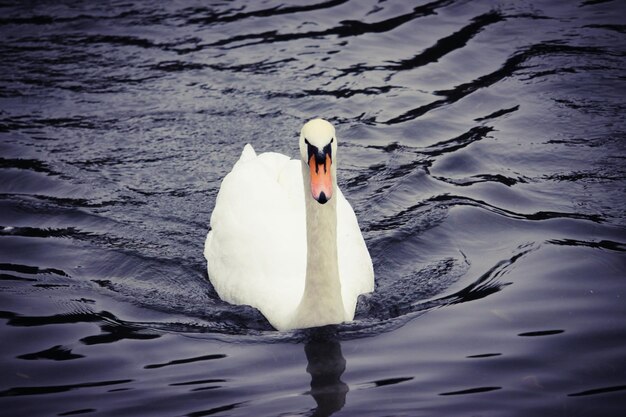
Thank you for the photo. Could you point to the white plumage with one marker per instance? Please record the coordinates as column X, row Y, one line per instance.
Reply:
column 256, row 250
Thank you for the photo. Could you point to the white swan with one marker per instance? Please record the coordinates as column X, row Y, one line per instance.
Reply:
column 284, row 239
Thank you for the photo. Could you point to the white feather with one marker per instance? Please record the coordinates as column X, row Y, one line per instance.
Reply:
column 256, row 250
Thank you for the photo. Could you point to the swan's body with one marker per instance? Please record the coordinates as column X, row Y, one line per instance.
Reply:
column 285, row 240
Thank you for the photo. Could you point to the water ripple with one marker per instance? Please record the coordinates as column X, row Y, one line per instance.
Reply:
column 598, row 391
column 512, row 65
column 441, row 48
column 186, row 361
column 213, row 16
column 39, row 390
column 347, row 28
column 477, row 390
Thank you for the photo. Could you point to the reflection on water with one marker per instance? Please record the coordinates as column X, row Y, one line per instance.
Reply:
column 326, row 364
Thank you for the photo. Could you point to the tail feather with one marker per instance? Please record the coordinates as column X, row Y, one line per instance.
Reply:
column 247, row 153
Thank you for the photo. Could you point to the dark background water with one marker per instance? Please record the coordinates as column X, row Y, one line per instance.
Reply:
column 482, row 147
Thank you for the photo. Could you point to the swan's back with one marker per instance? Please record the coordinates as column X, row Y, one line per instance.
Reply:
column 256, row 249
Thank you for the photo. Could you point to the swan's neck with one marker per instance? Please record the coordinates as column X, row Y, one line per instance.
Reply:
column 321, row 302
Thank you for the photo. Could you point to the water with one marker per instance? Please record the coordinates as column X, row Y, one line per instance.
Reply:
column 482, row 147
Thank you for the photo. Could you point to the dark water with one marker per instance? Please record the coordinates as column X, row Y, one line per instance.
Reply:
column 483, row 149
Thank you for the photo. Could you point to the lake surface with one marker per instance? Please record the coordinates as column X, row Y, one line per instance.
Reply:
column 482, row 146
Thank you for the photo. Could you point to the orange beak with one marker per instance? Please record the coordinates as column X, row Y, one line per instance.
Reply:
column 321, row 179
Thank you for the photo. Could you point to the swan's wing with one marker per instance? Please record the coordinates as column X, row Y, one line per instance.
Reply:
column 355, row 264
column 256, row 250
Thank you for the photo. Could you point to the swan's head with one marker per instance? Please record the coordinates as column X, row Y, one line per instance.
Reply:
column 318, row 149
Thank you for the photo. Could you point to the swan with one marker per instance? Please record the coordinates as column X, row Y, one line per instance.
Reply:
column 284, row 239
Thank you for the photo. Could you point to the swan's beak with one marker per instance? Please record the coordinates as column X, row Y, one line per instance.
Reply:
column 321, row 177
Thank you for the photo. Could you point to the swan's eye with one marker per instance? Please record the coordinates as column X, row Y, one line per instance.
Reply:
column 311, row 150
column 332, row 140
column 328, row 150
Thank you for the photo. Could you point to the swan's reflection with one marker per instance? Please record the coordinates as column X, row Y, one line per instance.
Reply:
column 326, row 364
